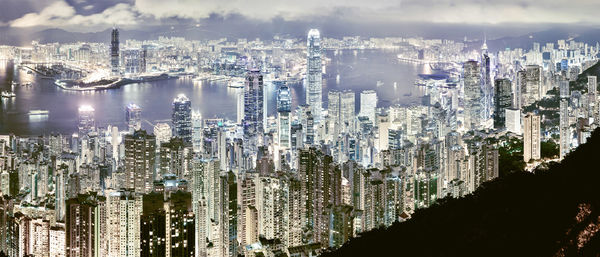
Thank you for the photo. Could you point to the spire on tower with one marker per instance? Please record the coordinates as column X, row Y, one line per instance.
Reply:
column 484, row 46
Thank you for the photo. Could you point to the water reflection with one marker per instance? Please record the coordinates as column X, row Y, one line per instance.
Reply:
column 213, row 99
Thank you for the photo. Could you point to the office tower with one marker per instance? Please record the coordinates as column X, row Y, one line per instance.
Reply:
column 383, row 126
column 172, row 158
column 133, row 61
column 81, row 226
column 502, row 100
column 531, row 86
column 133, row 117
column 182, row 118
column 253, row 104
column 86, row 120
column 333, row 107
column 593, row 96
column 162, row 131
column 114, row 51
column 513, row 120
column 473, row 94
column 314, row 74
column 564, row 124
column 140, row 156
column 368, row 104
column 123, row 211
column 284, row 107
column 486, row 82
column 531, row 137
column 196, row 131
column 347, row 110
column 240, row 107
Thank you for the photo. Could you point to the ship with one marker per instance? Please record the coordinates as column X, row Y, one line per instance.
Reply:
column 236, row 84
column 8, row 94
column 38, row 112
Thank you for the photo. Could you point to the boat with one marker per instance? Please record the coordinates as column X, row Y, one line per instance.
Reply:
column 408, row 94
column 14, row 83
column 8, row 94
column 27, row 84
column 38, row 112
column 236, row 84
column 379, row 83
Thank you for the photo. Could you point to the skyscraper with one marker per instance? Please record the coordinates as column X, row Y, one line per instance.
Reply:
column 133, row 116
column 86, row 120
column 368, row 104
column 486, row 82
column 114, row 51
column 473, row 94
column 502, row 100
column 531, row 87
column 564, row 124
column 593, row 96
column 123, row 211
column 182, row 118
column 284, row 107
column 347, row 110
column 81, row 225
column 163, row 133
column 314, row 74
column 196, row 131
column 140, row 156
column 253, row 104
column 531, row 137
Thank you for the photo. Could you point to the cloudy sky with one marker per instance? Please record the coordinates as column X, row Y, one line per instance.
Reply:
column 93, row 15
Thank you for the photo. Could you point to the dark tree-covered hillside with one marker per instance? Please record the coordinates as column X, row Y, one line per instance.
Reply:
column 551, row 212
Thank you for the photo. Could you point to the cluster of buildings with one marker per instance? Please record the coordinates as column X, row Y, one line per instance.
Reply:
column 295, row 183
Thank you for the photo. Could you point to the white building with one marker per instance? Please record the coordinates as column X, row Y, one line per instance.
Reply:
column 368, row 103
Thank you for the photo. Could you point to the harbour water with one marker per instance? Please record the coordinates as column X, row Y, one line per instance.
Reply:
column 357, row 69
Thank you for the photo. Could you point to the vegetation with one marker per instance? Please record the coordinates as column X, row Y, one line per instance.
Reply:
column 551, row 212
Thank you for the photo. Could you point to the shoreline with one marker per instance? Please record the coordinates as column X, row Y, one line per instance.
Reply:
column 115, row 84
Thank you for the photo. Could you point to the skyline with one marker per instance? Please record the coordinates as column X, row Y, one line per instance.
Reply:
column 236, row 133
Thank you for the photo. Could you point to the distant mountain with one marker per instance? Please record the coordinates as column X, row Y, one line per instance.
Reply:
column 552, row 212
column 237, row 26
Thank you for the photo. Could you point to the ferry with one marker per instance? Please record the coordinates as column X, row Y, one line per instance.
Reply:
column 38, row 112
column 236, row 84
column 8, row 94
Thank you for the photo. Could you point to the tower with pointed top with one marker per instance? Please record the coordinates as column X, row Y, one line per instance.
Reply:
column 486, row 82
column 314, row 74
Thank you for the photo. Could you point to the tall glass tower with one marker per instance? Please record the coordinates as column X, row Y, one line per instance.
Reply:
column 284, row 107
column 253, row 103
column 133, row 116
column 314, row 74
column 114, row 51
column 182, row 118
column 86, row 120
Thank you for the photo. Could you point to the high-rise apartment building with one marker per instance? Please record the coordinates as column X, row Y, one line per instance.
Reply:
column 531, row 137
column 140, row 156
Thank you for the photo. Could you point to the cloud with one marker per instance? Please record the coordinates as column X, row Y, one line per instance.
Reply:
column 78, row 14
column 61, row 14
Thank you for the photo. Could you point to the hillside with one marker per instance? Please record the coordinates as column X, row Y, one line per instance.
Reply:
column 552, row 212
